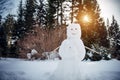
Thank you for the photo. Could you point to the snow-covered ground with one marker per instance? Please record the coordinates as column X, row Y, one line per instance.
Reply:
column 17, row 69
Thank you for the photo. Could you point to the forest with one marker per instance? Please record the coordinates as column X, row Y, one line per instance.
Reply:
column 41, row 25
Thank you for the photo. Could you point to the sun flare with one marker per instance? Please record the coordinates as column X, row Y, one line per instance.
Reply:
column 86, row 18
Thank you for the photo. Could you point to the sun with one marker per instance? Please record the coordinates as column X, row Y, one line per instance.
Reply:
column 86, row 18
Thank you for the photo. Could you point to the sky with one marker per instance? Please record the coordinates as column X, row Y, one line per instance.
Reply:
column 109, row 8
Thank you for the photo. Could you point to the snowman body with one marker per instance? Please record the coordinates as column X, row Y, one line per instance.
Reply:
column 72, row 47
column 72, row 51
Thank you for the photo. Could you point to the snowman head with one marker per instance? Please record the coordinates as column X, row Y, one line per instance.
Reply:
column 74, row 31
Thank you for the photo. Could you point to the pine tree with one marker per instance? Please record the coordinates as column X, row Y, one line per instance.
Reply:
column 8, row 28
column 2, row 39
column 102, row 34
column 94, row 32
column 50, row 13
column 29, row 14
column 114, row 37
column 20, row 25
column 51, row 10
column 113, row 30
column 117, row 46
column 67, row 12
column 61, row 12
column 41, row 14
column 74, row 9
column 0, row 19
column 57, row 12
column 58, row 4
column 88, row 18
column 2, row 42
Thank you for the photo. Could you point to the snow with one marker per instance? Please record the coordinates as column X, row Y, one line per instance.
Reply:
column 29, row 56
column 72, row 47
column 19, row 69
column 90, row 54
column 52, row 55
column 72, row 52
column 33, row 51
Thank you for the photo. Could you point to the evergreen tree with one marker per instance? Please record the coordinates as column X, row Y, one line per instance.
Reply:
column 50, row 13
column 117, row 46
column 113, row 29
column 41, row 13
column 66, row 15
column 102, row 34
column 30, row 9
column 61, row 11
column 51, row 10
column 0, row 19
column 2, row 39
column 2, row 42
column 58, row 15
column 74, row 9
column 94, row 32
column 114, row 37
column 20, row 25
column 57, row 12
column 8, row 28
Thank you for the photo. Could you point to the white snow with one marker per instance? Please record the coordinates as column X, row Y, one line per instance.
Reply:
column 29, row 56
column 72, row 52
column 33, row 52
column 72, row 47
column 18, row 69
column 52, row 55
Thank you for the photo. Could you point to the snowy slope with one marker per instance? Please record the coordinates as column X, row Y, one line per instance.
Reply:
column 16, row 69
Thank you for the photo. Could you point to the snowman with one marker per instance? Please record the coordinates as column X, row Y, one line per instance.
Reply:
column 72, row 52
column 72, row 47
